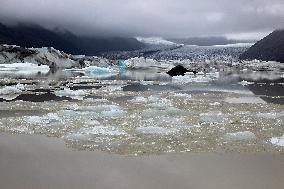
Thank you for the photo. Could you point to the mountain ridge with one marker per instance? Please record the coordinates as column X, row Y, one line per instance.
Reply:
column 36, row 36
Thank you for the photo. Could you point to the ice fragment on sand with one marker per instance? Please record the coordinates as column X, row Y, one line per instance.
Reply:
column 244, row 135
column 277, row 141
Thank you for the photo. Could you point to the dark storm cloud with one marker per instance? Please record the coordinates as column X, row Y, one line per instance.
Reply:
column 169, row 18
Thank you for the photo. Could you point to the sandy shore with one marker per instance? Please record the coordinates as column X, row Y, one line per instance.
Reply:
column 37, row 162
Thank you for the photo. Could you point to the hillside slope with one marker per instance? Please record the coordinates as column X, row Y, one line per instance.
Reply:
column 270, row 48
column 37, row 37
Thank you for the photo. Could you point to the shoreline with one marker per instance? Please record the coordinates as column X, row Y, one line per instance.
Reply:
column 28, row 162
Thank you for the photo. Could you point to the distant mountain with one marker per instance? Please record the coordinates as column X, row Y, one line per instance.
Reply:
column 207, row 41
column 35, row 36
column 270, row 48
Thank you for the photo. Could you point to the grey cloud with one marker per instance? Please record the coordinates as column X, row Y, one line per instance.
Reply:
column 169, row 18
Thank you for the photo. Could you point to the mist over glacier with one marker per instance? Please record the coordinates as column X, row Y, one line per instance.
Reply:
column 182, row 18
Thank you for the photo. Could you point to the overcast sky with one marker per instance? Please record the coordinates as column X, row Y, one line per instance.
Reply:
column 167, row 18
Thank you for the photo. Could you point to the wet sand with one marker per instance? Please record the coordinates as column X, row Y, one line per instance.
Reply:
column 38, row 162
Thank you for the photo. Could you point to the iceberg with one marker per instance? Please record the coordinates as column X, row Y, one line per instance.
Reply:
column 25, row 69
column 100, row 72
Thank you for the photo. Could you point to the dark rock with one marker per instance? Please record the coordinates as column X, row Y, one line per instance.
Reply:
column 179, row 70
column 270, row 48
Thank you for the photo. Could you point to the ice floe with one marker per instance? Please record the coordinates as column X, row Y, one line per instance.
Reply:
column 277, row 141
column 238, row 136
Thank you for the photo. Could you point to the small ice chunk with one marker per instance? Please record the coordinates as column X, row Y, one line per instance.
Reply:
column 199, row 78
column 139, row 99
column 153, row 113
column 277, row 141
column 215, row 104
column 270, row 115
column 160, row 103
column 100, row 72
column 244, row 135
column 16, row 89
column 182, row 95
column 245, row 83
column 213, row 117
column 115, row 113
column 156, row 130
column 100, row 108
column 78, row 94
column 47, row 119
column 89, row 133
column 245, row 100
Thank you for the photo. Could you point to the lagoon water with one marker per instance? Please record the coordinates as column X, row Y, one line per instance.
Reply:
column 142, row 110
